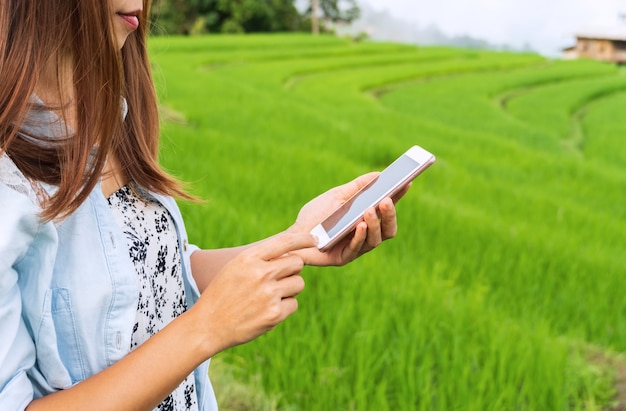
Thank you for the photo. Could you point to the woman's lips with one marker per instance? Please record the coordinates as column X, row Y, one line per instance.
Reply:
column 131, row 19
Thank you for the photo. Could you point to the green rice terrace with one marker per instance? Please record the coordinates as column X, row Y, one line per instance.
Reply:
column 505, row 287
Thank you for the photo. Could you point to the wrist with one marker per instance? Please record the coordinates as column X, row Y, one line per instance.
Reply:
column 199, row 339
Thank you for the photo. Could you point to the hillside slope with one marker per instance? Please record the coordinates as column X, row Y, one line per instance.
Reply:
column 505, row 284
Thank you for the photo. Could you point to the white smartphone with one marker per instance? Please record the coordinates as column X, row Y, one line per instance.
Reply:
column 392, row 179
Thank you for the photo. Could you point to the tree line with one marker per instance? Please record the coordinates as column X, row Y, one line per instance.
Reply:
column 249, row 16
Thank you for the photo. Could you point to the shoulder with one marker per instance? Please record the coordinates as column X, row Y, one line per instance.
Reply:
column 20, row 222
column 12, row 178
column 19, row 225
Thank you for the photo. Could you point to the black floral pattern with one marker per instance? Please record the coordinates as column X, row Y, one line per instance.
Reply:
column 155, row 253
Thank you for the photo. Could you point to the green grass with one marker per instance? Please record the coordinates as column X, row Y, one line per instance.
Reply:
column 504, row 287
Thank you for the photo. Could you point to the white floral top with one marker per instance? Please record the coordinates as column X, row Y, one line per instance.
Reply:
column 154, row 251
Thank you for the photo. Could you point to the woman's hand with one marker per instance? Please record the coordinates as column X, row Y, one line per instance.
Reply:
column 378, row 225
column 253, row 293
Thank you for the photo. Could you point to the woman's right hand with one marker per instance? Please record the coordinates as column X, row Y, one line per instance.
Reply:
column 253, row 293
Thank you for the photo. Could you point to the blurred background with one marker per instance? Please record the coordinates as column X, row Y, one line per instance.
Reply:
column 544, row 27
column 504, row 289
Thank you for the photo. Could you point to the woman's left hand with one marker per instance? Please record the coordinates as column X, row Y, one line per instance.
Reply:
column 379, row 224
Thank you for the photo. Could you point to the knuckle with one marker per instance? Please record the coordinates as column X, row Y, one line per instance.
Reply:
column 288, row 240
column 274, row 314
column 373, row 244
column 301, row 287
column 298, row 264
column 269, row 293
column 291, row 306
column 247, row 256
column 257, row 274
column 298, row 284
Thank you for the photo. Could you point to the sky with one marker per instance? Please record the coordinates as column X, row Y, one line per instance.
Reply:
column 547, row 26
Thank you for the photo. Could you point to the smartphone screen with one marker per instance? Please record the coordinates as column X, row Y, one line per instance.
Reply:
column 375, row 191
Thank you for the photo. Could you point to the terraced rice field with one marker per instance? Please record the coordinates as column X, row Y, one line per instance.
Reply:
column 504, row 289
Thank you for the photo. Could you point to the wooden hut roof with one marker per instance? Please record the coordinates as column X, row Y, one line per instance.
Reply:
column 616, row 33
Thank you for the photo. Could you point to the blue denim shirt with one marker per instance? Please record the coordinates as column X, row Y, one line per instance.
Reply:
column 68, row 297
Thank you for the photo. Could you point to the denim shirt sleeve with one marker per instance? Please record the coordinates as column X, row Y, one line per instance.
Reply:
column 19, row 229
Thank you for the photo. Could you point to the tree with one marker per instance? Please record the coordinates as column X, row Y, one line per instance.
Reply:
column 232, row 16
column 179, row 16
column 315, row 22
column 332, row 11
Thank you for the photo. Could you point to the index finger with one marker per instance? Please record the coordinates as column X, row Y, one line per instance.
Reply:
column 282, row 244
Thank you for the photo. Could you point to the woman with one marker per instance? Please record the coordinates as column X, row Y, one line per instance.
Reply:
column 103, row 304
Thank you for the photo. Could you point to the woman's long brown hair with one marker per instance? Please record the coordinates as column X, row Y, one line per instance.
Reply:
column 35, row 34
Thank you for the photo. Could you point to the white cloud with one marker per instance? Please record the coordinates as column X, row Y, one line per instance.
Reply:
column 547, row 25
